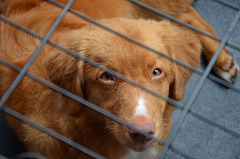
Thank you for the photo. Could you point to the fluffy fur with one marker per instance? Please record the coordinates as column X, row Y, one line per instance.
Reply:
column 77, row 122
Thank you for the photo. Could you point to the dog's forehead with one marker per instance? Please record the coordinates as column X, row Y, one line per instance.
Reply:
column 105, row 44
column 130, row 60
column 121, row 54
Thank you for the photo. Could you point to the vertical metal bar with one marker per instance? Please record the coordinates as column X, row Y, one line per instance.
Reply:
column 197, row 89
column 34, row 56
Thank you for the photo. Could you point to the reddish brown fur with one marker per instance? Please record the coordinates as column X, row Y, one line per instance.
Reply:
column 71, row 119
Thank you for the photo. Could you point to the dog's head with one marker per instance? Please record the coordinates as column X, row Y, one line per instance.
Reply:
column 136, row 106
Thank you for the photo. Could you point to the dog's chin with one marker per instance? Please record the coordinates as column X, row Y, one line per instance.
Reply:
column 140, row 148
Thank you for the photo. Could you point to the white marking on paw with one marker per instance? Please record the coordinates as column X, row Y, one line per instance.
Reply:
column 229, row 75
column 226, row 76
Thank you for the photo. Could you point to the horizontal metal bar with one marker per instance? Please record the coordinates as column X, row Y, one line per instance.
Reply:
column 228, row 4
column 169, row 100
column 180, row 106
column 81, row 100
column 34, row 55
column 215, row 124
column 197, row 71
column 52, row 133
column 182, row 23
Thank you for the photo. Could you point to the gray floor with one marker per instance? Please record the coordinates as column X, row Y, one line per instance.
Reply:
column 219, row 104
column 195, row 137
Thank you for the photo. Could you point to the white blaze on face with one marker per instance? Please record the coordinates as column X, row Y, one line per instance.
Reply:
column 141, row 108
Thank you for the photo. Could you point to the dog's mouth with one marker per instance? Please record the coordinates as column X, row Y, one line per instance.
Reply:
column 137, row 142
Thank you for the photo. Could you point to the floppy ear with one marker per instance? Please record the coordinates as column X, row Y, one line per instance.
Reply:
column 63, row 70
column 186, row 48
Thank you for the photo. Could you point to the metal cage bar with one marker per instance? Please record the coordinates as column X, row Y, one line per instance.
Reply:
column 185, row 109
column 199, row 86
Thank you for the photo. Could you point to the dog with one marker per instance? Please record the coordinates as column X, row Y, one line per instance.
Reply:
column 142, row 109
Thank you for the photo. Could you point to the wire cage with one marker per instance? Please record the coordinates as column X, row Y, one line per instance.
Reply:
column 206, row 123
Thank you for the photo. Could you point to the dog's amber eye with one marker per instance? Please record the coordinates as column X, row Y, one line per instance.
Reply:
column 156, row 72
column 106, row 76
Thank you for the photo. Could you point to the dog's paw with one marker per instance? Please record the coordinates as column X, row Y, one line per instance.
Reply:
column 226, row 67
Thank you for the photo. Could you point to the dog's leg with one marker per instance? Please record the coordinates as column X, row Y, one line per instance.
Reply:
column 225, row 66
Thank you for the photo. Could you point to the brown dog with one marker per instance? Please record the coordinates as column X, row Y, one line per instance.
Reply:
column 139, row 108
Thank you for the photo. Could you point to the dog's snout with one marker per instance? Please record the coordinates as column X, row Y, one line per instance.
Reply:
column 146, row 126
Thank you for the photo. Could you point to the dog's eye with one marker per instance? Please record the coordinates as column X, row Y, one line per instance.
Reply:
column 156, row 72
column 106, row 77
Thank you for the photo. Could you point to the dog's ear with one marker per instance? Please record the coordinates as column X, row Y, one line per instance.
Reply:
column 185, row 47
column 64, row 71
